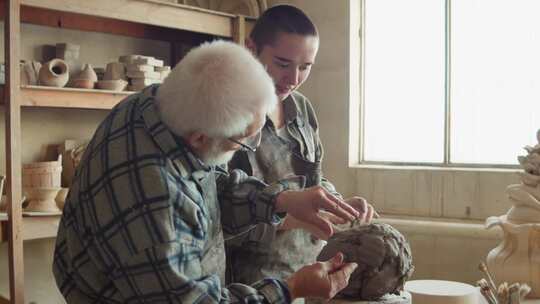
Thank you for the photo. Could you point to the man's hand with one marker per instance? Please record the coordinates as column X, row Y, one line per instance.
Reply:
column 290, row 223
column 366, row 210
column 322, row 279
column 305, row 206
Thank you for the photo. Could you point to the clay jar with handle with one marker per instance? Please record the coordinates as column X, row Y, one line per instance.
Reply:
column 54, row 73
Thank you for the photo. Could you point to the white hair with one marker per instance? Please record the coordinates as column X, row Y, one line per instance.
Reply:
column 218, row 89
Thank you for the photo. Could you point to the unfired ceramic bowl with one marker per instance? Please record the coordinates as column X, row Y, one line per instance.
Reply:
column 112, row 85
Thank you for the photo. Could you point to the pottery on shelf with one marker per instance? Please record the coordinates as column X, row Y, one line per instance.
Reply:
column 60, row 198
column 41, row 199
column 517, row 258
column 114, row 71
column 54, row 73
column 112, row 85
column 4, row 200
column 100, row 73
column 42, row 174
column 30, row 72
column 86, row 79
column 82, row 84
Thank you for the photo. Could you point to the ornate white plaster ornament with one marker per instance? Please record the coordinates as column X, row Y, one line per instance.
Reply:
column 517, row 258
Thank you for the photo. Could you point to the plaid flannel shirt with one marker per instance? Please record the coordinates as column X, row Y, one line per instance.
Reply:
column 137, row 224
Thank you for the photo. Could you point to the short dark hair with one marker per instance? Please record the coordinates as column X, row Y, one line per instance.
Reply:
column 281, row 19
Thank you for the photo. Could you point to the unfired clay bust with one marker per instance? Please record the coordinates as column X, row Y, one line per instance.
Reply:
column 383, row 256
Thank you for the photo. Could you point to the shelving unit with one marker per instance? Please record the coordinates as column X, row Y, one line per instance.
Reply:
column 155, row 19
column 35, row 227
column 48, row 97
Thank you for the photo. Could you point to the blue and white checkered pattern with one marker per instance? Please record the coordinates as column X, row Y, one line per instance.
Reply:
column 137, row 224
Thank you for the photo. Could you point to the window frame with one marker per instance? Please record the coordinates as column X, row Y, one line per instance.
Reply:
column 361, row 161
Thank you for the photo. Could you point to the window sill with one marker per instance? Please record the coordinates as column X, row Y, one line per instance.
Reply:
column 435, row 168
column 441, row 227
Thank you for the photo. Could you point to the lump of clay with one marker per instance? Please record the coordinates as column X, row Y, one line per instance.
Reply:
column 383, row 256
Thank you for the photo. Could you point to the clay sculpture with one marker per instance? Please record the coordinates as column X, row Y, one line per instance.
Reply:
column 383, row 256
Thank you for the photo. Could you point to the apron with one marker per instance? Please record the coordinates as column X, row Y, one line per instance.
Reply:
column 213, row 257
column 291, row 249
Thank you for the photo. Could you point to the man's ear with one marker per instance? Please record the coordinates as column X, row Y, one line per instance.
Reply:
column 250, row 45
column 197, row 140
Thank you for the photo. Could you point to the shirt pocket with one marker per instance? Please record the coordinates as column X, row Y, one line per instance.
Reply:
column 308, row 145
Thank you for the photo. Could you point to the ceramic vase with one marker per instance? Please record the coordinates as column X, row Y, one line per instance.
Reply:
column 517, row 257
column 30, row 72
column 86, row 79
column 54, row 73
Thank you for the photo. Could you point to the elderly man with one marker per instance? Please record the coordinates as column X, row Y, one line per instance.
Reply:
column 142, row 222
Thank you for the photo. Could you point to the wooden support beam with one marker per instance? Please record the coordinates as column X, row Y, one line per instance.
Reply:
column 12, row 39
column 239, row 29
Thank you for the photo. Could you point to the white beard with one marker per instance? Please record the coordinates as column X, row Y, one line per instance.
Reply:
column 215, row 156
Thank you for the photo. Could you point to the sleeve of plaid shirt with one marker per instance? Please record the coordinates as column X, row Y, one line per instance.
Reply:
column 170, row 271
column 246, row 200
column 263, row 233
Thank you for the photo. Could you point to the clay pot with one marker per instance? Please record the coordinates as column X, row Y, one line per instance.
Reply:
column 85, row 79
column 82, row 84
column 41, row 199
column 54, row 73
column 42, row 174
column 61, row 198
column 112, row 85
column 115, row 70
column 87, row 73
column 30, row 72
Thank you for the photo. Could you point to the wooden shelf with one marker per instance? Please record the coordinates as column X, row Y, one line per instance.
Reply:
column 41, row 96
column 34, row 227
column 151, row 12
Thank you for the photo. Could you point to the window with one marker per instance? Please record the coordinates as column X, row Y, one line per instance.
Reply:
column 453, row 82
